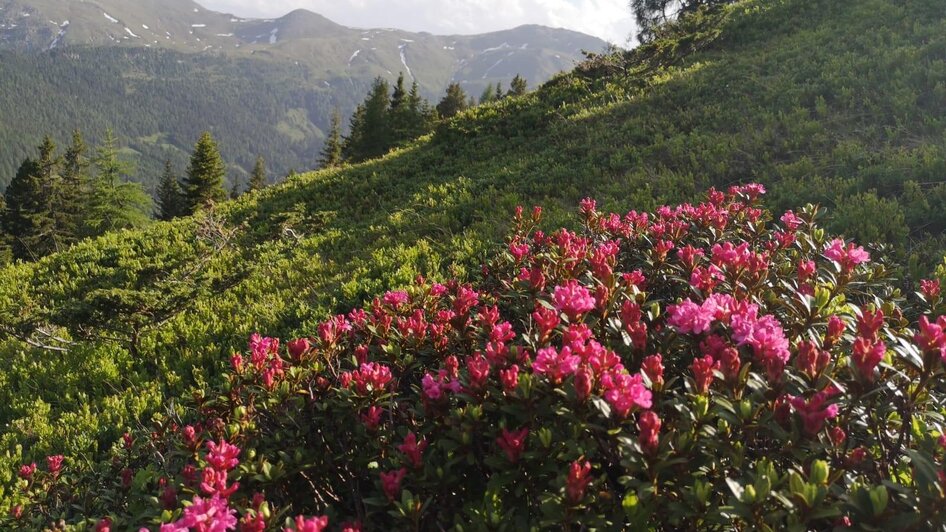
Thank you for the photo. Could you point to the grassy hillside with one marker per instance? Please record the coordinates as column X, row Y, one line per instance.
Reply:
column 835, row 104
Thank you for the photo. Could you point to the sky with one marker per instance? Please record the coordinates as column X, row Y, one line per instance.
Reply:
column 607, row 19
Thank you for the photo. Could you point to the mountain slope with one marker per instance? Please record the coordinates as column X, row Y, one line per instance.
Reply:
column 836, row 104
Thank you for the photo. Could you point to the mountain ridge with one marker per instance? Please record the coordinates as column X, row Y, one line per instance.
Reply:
column 151, row 60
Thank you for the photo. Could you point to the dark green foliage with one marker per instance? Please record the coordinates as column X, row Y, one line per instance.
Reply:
column 258, row 180
column 487, row 95
column 205, row 175
column 381, row 123
column 651, row 14
column 170, row 196
column 331, row 154
column 518, row 87
column 26, row 212
column 370, row 128
column 454, row 101
column 115, row 203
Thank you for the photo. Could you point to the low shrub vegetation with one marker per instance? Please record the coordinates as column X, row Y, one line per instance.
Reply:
column 702, row 366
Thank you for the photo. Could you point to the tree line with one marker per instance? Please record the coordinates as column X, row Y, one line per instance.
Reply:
column 388, row 118
column 55, row 200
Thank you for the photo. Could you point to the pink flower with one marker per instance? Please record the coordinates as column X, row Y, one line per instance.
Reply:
column 413, row 449
column 54, row 464
column 510, row 378
column 395, row 298
column 931, row 338
column 791, row 221
column 814, row 412
column 579, row 476
column 26, row 471
column 372, row 417
column 214, row 482
column 848, row 257
column 649, row 426
column 207, row 515
column 806, row 269
column 689, row 318
column 391, row 482
column 584, row 382
column 103, row 525
column 518, row 250
column 554, row 364
column 297, row 348
column 625, row 393
column 836, row 328
column 810, row 360
column 766, row 337
column 838, row 436
column 573, row 299
column 653, row 367
column 513, row 443
column 312, row 524
column 546, row 320
column 478, row 368
column 371, row 377
column 222, row 456
column 866, row 355
column 703, row 372
column 930, row 288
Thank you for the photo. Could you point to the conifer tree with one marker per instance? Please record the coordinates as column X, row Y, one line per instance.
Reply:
column 453, row 102
column 487, row 95
column 235, row 191
column 24, row 208
column 498, row 95
column 331, row 155
column 33, row 220
column 75, row 187
column 116, row 203
column 170, row 198
column 518, row 87
column 370, row 134
column 205, row 175
column 399, row 96
column 258, row 177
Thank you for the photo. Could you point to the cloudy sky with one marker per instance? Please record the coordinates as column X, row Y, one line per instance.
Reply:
column 608, row 19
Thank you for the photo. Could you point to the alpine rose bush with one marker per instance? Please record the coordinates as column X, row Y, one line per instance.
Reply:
column 705, row 366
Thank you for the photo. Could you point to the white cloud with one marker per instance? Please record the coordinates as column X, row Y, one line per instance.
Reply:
column 607, row 19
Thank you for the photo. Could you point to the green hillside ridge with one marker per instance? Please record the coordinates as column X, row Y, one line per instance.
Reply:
column 840, row 105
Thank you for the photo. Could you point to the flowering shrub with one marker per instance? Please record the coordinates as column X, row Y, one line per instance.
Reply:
column 698, row 367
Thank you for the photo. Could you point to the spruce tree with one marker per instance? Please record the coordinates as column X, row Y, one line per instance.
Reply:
column 370, row 134
column 170, row 198
column 453, row 102
column 33, row 219
column 258, row 177
column 116, row 203
column 498, row 95
column 399, row 96
column 75, row 187
column 331, row 155
column 205, row 175
column 518, row 87
column 487, row 95
column 24, row 207
column 235, row 191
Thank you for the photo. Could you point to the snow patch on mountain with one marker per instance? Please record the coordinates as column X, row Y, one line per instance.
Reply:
column 400, row 49
column 111, row 19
